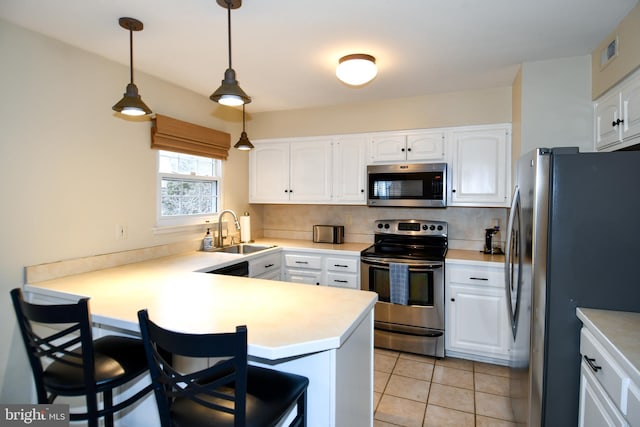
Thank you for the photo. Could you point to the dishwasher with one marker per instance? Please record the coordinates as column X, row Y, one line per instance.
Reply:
column 238, row 269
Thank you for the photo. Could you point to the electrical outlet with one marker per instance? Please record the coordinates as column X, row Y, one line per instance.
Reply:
column 122, row 232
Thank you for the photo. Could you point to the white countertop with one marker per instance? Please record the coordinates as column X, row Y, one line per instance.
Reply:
column 283, row 319
column 621, row 331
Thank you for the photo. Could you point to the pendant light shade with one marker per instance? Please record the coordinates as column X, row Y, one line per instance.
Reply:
column 243, row 143
column 230, row 93
column 131, row 103
column 357, row 69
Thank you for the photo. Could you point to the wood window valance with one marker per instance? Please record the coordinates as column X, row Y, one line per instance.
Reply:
column 182, row 137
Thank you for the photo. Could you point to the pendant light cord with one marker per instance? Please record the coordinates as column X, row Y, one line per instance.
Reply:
column 131, row 53
column 229, row 29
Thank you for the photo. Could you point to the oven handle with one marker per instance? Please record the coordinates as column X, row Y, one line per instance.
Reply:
column 415, row 267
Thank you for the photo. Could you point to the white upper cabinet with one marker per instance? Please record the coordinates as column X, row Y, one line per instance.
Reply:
column 416, row 146
column 617, row 116
column 290, row 172
column 480, row 166
column 425, row 146
column 269, row 173
column 333, row 169
column 310, row 164
column 350, row 170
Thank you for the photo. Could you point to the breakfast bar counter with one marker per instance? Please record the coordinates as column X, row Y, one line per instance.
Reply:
column 324, row 333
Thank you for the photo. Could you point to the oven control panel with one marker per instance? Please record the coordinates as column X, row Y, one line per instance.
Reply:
column 410, row 227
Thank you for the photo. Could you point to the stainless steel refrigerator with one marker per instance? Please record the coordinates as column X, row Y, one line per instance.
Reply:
column 573, row 241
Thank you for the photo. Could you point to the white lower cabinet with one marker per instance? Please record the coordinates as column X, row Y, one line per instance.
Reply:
column 322, row 268
column 608, row 395
column 476, row 320
column 596, row 409
column 266, row 267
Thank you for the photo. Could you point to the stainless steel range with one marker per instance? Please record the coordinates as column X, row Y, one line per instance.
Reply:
column 418, row 325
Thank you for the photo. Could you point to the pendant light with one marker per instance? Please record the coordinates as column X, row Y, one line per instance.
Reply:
column 243, row 143
column 230, row 93
column 131, row 104
column 357, row 69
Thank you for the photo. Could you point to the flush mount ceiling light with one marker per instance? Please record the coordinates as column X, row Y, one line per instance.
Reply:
column 230, row 93
column 356, row 69
column 131, row 104
column 243, row 143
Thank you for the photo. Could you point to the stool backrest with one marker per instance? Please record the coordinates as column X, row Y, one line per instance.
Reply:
column 221, row 387
column 55, row 344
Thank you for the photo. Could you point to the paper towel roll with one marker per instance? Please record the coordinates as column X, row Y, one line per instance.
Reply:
column 245, row 229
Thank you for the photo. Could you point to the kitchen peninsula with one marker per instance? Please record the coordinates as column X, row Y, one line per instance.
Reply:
column 324, row 333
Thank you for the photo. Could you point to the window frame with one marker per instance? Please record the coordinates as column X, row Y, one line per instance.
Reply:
column 166, row 223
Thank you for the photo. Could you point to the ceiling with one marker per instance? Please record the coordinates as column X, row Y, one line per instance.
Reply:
column 285, row 52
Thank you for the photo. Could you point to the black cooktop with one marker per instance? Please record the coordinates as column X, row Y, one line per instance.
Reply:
column 409, row 239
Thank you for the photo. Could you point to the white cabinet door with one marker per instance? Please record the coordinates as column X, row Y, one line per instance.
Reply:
column 476, row 321
column 596, row 409
column 425, row 146
column 269, row 173
column 630, row 103
column 388, row 148
column 480, row 167
column 310, row 178
column 350, row 170
column 607, row 114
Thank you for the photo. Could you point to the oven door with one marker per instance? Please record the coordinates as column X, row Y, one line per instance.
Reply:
column 426, row 292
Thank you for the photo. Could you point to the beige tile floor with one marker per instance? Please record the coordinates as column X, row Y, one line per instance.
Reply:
column 419, row 391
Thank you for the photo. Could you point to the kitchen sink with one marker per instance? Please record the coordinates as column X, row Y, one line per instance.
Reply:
column 243, row 248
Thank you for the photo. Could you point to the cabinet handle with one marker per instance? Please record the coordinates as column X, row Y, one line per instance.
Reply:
column 402, row 149
column 268, row 265
column 453, row 191
column 362, row 190
column 453, row 300
column 302, row 262
column 408, row 149
column 340, row 281
column 340, row 265
column 478, row 278
column 286, row 191
column 591, row 363
column 617, row 122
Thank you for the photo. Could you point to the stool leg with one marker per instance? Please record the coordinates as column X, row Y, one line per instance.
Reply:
column 108, row 404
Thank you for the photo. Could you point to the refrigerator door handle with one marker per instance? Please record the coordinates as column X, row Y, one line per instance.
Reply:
column 513, row 243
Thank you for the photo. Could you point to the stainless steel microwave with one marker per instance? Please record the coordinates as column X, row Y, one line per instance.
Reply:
column 407, row 185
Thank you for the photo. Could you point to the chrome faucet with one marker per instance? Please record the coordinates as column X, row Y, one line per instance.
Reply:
column 235, row 220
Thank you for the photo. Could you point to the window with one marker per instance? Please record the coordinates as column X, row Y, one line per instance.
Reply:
column 189, row 188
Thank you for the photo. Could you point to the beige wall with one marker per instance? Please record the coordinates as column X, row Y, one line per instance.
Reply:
column 555, row 104
column 70, row 170
column 430, row 111
column 628, row 59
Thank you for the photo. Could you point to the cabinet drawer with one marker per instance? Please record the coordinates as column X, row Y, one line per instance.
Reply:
column 477, row 276
column 349, row 265
column 308, row 277
column 266, row 264
column 612, row 378
column 303, row 261
column 343, row 280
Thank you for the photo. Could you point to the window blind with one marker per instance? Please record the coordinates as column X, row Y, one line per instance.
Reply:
column 175, row 135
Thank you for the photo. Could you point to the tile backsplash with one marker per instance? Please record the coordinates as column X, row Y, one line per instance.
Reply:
column 466, row 225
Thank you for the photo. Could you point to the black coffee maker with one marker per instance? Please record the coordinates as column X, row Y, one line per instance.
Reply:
column 492, row 241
